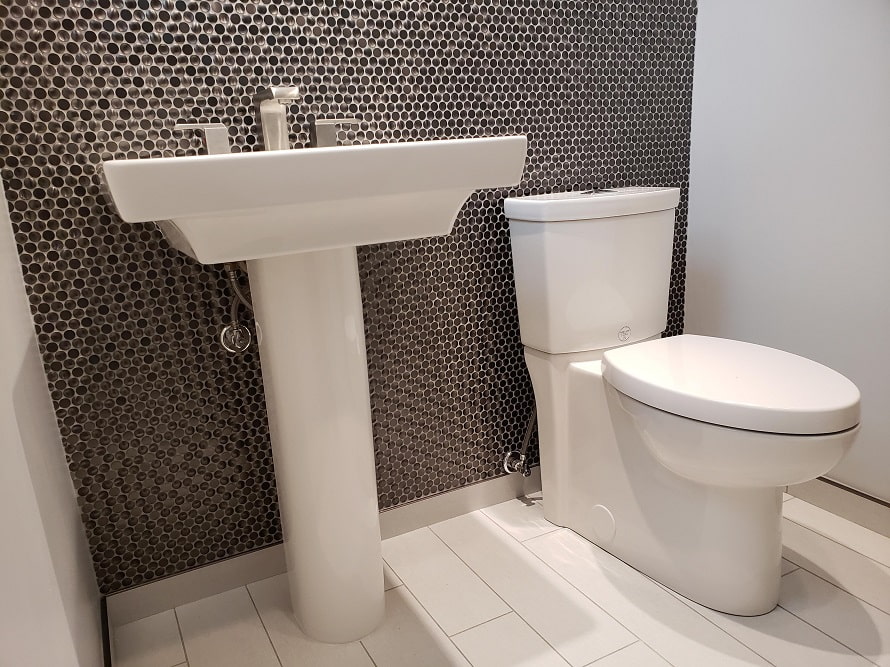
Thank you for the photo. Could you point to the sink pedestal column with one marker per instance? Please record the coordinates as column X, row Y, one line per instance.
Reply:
column 315, row 375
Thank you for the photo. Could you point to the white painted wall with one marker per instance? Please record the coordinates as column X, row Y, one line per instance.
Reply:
column 789, row 215
column 49, row 601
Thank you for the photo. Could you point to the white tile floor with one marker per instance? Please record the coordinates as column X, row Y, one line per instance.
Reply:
column 503, row 587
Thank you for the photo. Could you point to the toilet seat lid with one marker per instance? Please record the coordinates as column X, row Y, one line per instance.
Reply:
column 735, row 384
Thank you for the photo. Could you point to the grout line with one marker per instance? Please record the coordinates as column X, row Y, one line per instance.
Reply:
column 553, row 527
column 642, row 640
column 591, row 664
column 494, row 592
column 833, row 583
column 533, row 629
column 367, row 653
column 401, row 583
column 834, row 639
column 260, row 616
column 689, row 604
column 828, row 581
column 411, row 593
column 831, row 539
column 433, row 618
column 181, row 638
column 547, row 565
column 552, row 530
column 473, row 627
column 458, row 649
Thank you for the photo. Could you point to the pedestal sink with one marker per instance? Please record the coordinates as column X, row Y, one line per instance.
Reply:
column 297, row 216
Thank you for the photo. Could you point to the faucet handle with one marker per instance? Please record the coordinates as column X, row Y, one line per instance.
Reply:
column 214, row 135
column 323, row 131
column 282, row 94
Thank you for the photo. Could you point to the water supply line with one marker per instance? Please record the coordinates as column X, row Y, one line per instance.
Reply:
column 233, row 281
column 518, row 461
column 235, row 337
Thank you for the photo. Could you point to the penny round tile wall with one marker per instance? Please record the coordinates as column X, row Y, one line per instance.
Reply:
column 165, row 432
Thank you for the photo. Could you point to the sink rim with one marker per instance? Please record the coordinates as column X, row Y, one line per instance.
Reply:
column 230, row 171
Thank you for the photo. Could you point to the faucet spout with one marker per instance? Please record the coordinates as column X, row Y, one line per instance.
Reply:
column 272, row 113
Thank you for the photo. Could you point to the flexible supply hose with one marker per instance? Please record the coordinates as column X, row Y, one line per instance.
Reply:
column 232, row 273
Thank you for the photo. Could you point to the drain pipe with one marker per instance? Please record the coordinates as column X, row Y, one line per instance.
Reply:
column 518, row 461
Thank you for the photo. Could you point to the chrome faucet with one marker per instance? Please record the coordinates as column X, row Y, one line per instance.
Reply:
column 323, row 131
column 215, row 136
column 273, row 115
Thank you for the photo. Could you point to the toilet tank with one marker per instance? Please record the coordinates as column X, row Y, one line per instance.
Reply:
column 592, row 268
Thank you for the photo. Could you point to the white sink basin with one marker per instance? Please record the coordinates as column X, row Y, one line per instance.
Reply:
column 221, row 208
column 296, row 216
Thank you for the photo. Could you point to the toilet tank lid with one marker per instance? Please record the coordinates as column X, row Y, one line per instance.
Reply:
column 590, row 204
column 734, row 384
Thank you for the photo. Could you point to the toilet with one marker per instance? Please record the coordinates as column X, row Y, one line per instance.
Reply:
column 670, row 453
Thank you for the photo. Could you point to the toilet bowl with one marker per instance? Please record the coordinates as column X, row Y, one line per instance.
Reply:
column 670, row 453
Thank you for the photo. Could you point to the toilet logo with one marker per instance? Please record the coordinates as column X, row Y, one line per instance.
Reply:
column 624, row 333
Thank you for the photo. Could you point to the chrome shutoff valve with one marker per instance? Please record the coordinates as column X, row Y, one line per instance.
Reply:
column 235, row 338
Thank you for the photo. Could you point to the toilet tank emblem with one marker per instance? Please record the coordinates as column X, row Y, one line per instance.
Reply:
column 624, row 333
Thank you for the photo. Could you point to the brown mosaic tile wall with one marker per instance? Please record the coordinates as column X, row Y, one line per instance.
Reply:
column 166, row 433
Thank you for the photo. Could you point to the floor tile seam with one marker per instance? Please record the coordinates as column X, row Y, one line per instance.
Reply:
column 263, row 624
column 522, row 544
column 831, row 637
column 519, row 541
column 473, row 627
column 530, row 627
column 524, row 620
column 605, row 611
column 439, row 625
column 593, row 664
column 834, row 639
column 433, row 618
column 181, row 637
column 831, row 539
column 553, row 528
column 641, row 639
column 689, row 604
column 476, row 574
column 835, row 584
column 828, row 634
column 365, row 648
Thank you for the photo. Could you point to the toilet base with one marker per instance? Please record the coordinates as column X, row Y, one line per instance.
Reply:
column 718, row 546
column 721, row 555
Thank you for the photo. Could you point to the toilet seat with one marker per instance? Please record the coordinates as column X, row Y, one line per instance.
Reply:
column 734, row 384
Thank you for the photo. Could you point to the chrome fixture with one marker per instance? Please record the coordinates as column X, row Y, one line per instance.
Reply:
column 215, row 136
column 518, row 461
column 272, row 113
column 323, row 131
column 235, row 337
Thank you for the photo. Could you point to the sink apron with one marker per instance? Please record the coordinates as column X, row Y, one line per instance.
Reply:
column 312, row 350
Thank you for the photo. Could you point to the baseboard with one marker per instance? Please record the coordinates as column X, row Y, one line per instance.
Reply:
column 419, row 513
column 157, row 596
column 872, row 513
